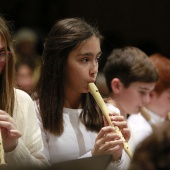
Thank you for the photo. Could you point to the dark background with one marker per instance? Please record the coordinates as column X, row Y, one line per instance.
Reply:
column 142, row 23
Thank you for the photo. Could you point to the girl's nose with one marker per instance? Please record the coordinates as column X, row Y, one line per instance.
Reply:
column 94, row 69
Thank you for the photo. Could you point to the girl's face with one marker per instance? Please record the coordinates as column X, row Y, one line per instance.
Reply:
column 135, row 96
column 2, row 56
column 82, row 66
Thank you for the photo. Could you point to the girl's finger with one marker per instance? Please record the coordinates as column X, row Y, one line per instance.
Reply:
column 15, row 133
column 104, row 131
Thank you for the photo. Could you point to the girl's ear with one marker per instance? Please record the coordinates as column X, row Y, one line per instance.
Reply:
column 116, row 85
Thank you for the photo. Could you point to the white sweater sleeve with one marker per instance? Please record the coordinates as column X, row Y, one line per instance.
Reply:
column 29, row 151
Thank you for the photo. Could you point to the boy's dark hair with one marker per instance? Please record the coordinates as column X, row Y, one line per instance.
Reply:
column 129, row 64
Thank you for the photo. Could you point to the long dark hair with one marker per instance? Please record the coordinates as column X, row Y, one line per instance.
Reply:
column 64, row 36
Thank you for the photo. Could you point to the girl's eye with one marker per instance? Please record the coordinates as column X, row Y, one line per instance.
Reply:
column 84, row 60
column 98, row 58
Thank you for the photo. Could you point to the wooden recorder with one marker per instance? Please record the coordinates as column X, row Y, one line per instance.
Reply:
column 95, row 93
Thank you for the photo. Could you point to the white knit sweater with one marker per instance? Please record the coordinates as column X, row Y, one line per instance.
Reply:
column 29, row 151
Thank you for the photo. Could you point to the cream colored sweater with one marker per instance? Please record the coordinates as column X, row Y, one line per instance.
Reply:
column 29, row 151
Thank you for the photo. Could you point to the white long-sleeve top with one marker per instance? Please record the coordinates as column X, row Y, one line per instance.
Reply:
column 75, row 142
column 140, row 128
column 29, row 151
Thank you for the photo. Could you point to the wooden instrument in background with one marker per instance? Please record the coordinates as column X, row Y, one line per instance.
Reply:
column 2, row 160
column 145, row 114
column 95, row 93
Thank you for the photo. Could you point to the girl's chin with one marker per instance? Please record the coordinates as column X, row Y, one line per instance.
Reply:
column 86, row 91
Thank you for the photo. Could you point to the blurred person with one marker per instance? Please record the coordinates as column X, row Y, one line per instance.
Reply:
column 158, row 107
column 24, row 76
column 26, row 41
column 153, row 153
column 21, row 135
column 72, row 125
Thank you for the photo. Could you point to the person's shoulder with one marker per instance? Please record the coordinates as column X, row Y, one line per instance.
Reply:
column 135, row 118
column 112, row 108
column 137, row 121
column 23, row 103
column 20, row 94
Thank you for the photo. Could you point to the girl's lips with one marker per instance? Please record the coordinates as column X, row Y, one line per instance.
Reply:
column 92, row 81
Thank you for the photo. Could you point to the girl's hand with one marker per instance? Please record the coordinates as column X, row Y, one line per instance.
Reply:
column 119, row 121
column 9, row 132
column 108, row 142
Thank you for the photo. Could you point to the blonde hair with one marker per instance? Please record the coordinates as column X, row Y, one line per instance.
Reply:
column 7, row 75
